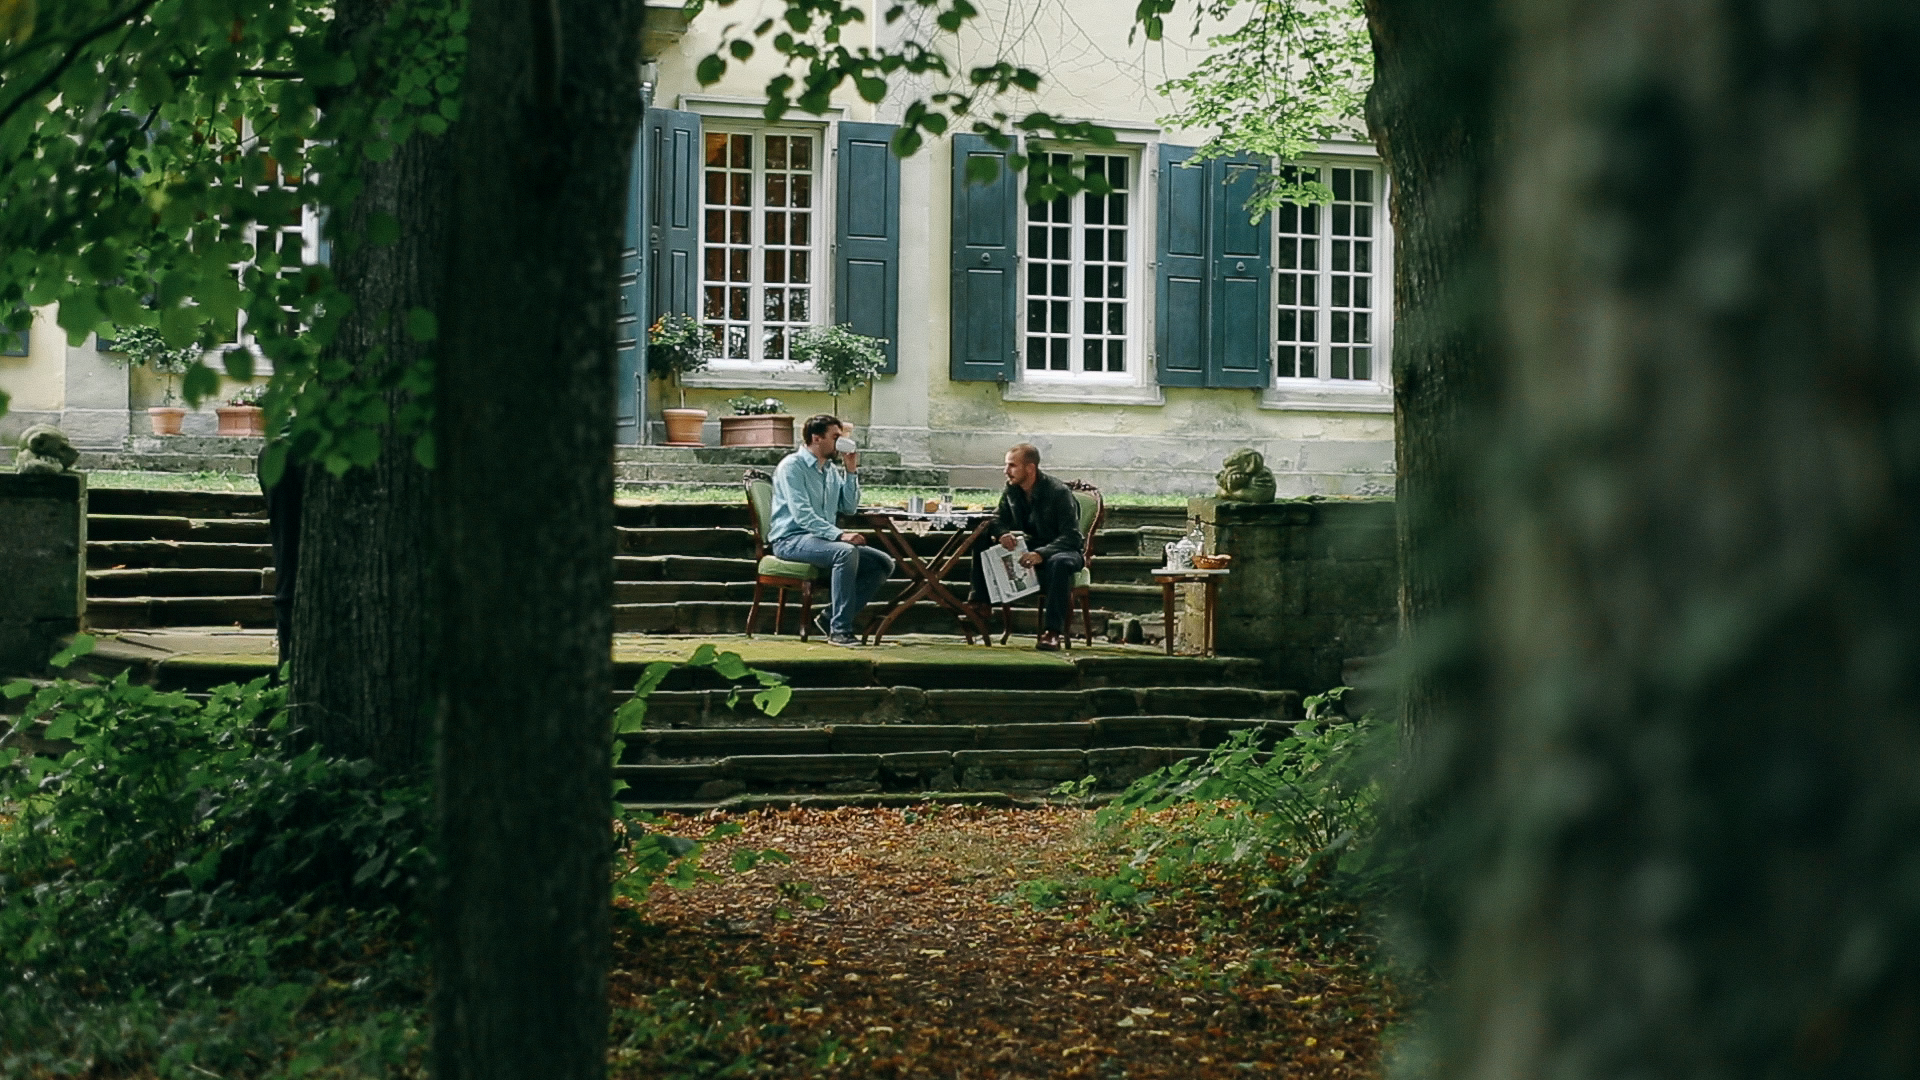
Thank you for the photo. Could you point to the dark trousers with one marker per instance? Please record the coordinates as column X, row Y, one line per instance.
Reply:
column 1056, row 584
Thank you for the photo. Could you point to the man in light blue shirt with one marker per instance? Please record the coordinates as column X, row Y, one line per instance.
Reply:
column 810, row 491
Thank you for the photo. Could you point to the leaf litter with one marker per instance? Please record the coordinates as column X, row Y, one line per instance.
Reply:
column 932, row 957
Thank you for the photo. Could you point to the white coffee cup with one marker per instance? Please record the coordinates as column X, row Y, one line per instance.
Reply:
column 846, row 446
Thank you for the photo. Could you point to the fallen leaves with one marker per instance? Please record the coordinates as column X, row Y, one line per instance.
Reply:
column 926, row 963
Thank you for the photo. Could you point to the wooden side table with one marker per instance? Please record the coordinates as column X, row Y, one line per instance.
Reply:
column 1211, row 578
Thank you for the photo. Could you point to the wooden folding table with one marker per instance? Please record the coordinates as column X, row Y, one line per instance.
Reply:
column 961, row 529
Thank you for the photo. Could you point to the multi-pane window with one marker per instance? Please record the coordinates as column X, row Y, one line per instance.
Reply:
column 758, row 241
column 1323, row 262
column 292, row 242
column 1078, row 253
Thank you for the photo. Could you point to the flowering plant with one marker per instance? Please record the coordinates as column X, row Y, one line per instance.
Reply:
column 677, row 345
column 748, row 405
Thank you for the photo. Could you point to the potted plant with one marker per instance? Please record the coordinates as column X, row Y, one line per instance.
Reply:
column 242, row 415
column 757, row 422
column 143, row 346
column 678, row 346
column 845, row 359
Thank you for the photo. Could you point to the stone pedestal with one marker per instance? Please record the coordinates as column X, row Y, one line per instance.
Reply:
column 1314, row 581
column 43, row 567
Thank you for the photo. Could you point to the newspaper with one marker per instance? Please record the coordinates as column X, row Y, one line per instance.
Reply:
column 1007, row 580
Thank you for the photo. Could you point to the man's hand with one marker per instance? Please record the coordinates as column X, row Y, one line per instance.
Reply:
column 1009, row 541
column 1032, row 558
column 852, row 538
column 850, row 461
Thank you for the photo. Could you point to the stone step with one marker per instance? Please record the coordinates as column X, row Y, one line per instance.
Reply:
column 921, row 771
column 739, row 456
column 904, row 704
column 1129, row 599
column 175, row 554
column 629, row 514
column 198, row 581
column 676, row 475
column 226, row 461
column 962, row 667
column 140, row 612
column 1107, row 569
column 730, row 617
column 656, row 746
column 156, row 527
column 188, row 504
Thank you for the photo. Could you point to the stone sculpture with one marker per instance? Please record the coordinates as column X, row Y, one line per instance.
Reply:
column 1245, row 477
column 44, row 449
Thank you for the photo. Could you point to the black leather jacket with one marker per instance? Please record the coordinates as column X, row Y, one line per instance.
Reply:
column 1050, row 517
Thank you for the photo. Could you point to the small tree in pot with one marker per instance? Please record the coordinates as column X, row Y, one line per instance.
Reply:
column 677, row 346
column 143, row 346
column 847, row 360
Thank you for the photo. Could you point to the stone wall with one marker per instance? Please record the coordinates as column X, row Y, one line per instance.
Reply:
column 1314, row 582
column 43, row 566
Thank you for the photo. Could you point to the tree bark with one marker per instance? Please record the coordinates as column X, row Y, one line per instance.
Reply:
column 524, row 504
column 1691, row 850
column 362, row 640
column 1430, row 112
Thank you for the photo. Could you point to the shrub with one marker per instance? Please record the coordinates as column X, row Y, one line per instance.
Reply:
column 847, row 360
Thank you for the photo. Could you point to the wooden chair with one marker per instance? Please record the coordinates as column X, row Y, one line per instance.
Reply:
column 1093, row 513
column 770, row 569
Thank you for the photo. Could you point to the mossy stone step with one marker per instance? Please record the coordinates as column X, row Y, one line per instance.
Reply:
column 131, row 612
column 176, row 554
column 730, row 617
column 199, row 581
column 824, row 706
column 155, row 527
column 685, row 745
column 1030, row 770
column 187, row 504
column 947, row 664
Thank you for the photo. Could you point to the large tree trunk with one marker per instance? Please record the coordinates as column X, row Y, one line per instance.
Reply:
column 525, row 507
column 362, row 640
column 1693, row 851
column 1431, row 115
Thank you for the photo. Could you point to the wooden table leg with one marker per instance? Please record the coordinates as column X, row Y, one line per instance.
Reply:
column 1213, row 610
column 1166, row 600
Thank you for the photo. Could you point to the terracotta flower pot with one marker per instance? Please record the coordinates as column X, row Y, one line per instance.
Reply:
column 166, row 419
column 767, row 429
column 242, row 419
column 683, row 426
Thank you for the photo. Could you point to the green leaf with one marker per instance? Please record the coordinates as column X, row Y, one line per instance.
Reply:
column 422, row 325
column 81, row 645
column 982, row 169
column 424, row 450
column 871, row 89
column 710, row 70
column 773, row 699
column 730, row 666
column 741, row 50
column 630, row 717
column 17, row 688
column 704, row 656
column 201, row 382
column 63, row 726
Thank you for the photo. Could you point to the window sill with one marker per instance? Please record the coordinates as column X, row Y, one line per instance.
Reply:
column 1378, row 399
column 1067, row 393
column 756, row 378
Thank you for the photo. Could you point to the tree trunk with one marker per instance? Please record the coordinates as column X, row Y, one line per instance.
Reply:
column 1431, row 115
column 362, row 640
column 524, row 504
column 1691, row 852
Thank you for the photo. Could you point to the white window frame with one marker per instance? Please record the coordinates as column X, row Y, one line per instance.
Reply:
column 1322, row 393
column 1138, row 384
column 724, row 371
column 309, row 231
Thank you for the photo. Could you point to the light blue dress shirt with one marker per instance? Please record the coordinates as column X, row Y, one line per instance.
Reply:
column 807, row 498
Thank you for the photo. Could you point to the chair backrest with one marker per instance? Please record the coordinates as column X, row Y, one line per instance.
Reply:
column 759, row 507
column 1093, row 511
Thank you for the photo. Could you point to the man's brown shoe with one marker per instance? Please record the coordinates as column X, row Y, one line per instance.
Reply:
column 1049, row 642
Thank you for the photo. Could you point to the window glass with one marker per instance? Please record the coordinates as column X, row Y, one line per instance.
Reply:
column 1324, row 258
column 757, row 239
column 1080, row 251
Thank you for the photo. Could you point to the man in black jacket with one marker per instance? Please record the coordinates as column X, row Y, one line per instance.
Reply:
column 1045, row 511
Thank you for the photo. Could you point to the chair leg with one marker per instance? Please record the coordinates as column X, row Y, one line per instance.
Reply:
column 1086, row 614
column 806, row 609
column 753, row 613
column 779, row 609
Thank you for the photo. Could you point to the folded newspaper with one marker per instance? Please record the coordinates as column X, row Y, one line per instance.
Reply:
column 1007, row 580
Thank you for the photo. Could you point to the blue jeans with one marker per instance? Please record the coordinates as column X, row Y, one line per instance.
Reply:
column 857, row 570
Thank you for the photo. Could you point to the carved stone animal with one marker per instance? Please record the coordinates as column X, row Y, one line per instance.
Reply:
column 44, row 449
column 1245, row 477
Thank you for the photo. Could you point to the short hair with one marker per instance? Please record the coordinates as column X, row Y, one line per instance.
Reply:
column 1029, row 453
column 818, row 425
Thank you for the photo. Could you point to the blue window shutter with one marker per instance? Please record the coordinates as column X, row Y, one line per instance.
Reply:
column 866, row 279
column 1241, row 251
column 984, row 283
column 630, row 325
column 673, row 212
column 1181, row 338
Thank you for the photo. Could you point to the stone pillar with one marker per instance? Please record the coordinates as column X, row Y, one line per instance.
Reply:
column 43, row 566
column 1314, row 582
